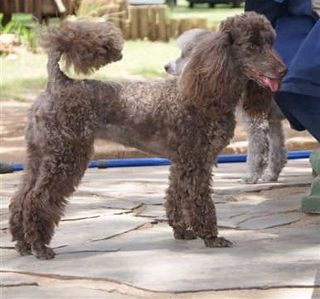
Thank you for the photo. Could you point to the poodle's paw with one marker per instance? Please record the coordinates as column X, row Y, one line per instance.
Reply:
column 217, row 242
column 250, row 179
column 184, row 234
column 23, row 248
column 43, row 252
column 268, row 178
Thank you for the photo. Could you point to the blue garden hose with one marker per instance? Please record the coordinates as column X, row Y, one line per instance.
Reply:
column 139, row 162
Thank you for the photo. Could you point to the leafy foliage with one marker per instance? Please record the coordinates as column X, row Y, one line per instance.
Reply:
column 25, row 34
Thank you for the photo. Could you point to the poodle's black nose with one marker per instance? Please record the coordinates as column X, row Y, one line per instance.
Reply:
column 166, row 67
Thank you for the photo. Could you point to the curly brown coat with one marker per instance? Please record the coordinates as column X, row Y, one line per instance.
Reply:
column 188, row 120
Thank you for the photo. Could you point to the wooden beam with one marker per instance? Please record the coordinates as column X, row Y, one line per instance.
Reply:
column 6, row 9
column 38, row 10
column 61, row 7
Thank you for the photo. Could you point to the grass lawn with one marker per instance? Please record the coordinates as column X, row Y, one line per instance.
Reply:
column 23, row 74
column 213, row 15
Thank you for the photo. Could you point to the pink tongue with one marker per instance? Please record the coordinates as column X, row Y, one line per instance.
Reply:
column 271, row 83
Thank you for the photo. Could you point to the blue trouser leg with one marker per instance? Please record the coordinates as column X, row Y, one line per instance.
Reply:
column 303, row 112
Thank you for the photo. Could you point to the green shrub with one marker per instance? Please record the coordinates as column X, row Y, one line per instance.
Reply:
column 26, row 35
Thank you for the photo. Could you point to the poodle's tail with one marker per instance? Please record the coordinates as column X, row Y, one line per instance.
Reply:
column 85, row 45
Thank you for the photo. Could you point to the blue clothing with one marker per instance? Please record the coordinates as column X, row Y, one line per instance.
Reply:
column 304, row 67
column 298, row 43
column 303, row 112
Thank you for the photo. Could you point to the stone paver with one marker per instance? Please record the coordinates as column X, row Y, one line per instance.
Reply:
column 114, row 241
column 49, row 290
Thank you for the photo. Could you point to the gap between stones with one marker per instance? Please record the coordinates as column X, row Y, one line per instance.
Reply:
column 131, row 288
column 23, row 284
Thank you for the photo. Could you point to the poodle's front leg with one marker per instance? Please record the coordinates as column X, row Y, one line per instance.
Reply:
column 277, row 152
column 198, row 209
column 173, row 207
column 258, row 145
column 255, row 109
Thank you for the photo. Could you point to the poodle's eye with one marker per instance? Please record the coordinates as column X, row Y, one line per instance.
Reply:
column 186, row 53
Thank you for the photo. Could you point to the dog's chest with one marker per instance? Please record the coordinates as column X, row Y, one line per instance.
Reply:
column 220, row 132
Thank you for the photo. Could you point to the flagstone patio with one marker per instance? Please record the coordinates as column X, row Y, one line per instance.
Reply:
column 114, row 241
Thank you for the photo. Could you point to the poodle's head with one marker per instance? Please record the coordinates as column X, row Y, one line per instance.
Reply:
column 186, row 42
column 251, row 38
column 240, row 50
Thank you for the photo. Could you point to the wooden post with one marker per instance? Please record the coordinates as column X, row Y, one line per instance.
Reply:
column 17, row 7
column 38, row 10
column 6, row 8
column 143, row 22
column 174, row 28
column 133, row 18
column 68, row 5
column 29, row 6
column 112, row 13
column 153, row 24
column 169, row 31
column 122, row 14
column 162, row 23
column 185, row 24
column 200, row 23
column 126, row 29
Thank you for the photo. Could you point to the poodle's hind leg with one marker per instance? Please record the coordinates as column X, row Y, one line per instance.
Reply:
column 277, row 152
column 60, row 171
column 173, row 207
column 198, row 209
column 16, row 220
column 16, row 204
column 258, row 146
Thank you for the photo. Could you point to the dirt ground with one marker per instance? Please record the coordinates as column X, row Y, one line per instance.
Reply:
column 13, row 115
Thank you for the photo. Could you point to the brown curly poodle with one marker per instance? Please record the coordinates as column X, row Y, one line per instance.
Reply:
column 188, row 119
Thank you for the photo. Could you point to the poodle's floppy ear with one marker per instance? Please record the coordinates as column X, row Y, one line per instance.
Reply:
column 256, row 100
column 201, row 77
column 228, row 27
